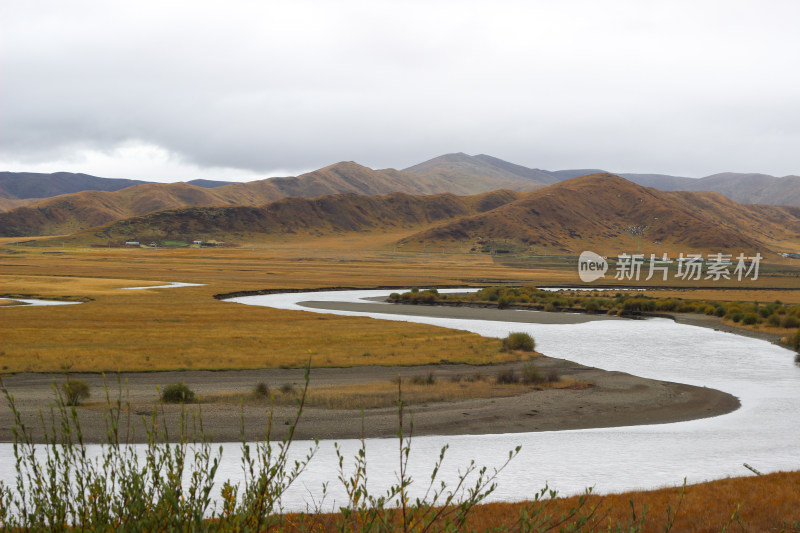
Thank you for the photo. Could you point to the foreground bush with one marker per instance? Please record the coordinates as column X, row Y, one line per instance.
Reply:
column 518, row 341
column 167, row 486
column 177, row 393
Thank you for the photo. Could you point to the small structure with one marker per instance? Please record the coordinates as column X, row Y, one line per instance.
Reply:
column 131, row 243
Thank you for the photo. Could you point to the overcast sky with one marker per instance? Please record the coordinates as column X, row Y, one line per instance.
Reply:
column 237, row 90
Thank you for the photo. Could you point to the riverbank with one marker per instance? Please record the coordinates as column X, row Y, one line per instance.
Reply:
column 490, row 311
column 615, row 399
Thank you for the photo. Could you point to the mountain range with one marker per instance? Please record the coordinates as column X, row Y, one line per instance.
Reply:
column 444, row 201
column 69, row 213
column 601, row 212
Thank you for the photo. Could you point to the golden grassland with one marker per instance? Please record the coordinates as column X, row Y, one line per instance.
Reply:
column 186, row 328
column 384, row 393
column 754, row 503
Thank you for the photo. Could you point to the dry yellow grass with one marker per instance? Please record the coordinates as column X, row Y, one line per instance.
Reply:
column 384, row 393
column 187, row 328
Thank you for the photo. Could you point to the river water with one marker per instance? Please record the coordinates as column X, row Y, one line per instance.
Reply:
column 764, row 432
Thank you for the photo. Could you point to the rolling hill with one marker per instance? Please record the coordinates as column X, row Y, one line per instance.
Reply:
column 70, row 213
column 608, row 214
column 315, row 216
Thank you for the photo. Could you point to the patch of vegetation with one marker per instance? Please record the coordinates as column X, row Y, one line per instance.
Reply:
column 75, row 391
column 261, row 390
column 518, row 341
column 177, row 393
column 531, row 375
column 430, row 379
column 415, row 296
column 507, row 376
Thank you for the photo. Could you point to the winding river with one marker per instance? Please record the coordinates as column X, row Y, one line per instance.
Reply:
column 764, row 432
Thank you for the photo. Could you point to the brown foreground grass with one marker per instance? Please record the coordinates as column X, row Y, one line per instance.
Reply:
column 755, row 503
column 767, row 503
column 378, row 394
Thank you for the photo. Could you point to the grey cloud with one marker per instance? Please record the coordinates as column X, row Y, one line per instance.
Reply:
column 299, row 85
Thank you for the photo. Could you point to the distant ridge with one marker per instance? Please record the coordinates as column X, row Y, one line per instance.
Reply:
column 21, row 185
column 209, row 184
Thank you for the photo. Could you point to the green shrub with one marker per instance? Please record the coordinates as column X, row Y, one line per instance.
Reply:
column 287, row 388
column 74, row 391
column 518, row 341
column 790, row 321
column 502, row 303
column 177, row 393
column 750, row 319
column 531, row 374
column 737, row 317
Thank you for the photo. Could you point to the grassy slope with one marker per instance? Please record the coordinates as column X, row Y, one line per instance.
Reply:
column 609, row 215
column 338, row 213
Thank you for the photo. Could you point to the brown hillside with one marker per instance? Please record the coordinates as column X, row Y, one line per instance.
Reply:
column 326, row 214
column 74, row 212
column 609, row 214
column 7, row 204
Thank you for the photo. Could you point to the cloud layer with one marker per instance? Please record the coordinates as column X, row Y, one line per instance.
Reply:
column 239, row 90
